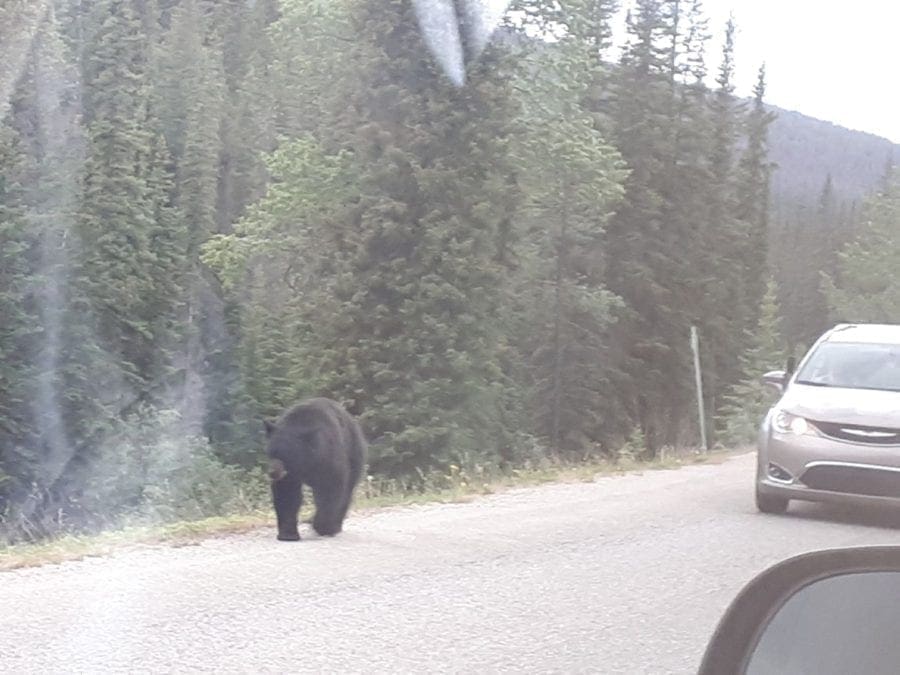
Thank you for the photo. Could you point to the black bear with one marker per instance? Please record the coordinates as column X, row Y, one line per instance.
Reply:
column 319, row 444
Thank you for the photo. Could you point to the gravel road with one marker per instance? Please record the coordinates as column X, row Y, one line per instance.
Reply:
column 627, row 574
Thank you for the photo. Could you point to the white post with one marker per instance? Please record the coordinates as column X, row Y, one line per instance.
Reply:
column 695, row 346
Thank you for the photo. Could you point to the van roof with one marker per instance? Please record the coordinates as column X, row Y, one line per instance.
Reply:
column 876, row 333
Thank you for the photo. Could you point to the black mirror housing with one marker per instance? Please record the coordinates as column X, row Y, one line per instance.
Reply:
column 733, row 645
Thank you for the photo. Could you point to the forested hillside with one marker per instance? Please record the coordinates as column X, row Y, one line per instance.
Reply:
column 822, row 177
column 806, row 151
column 210, row 209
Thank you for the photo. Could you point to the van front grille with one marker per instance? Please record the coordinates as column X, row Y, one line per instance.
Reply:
column 859, row 434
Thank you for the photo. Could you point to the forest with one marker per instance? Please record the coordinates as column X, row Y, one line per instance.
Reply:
column 210, row 209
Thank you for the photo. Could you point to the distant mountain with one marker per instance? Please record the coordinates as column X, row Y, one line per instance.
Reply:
column 806, row 150
column 807, row 230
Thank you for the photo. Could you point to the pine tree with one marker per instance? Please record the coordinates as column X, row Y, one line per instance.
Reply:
column 866, row 285
column 308, row 76
column 723, row 106
column 41, row 183
column 124, row 277
column 687, row 184
column 247, row 119
column 660, row 235
column 20, row 20
column 413, row 345
column 746, row 405
column 753, row 180
column 19, row 325
column 639, row 262
column 723, row 281
column 827, row 213
column 570, row 179
column 810, row 251
column 190, row 85
column 589, row 24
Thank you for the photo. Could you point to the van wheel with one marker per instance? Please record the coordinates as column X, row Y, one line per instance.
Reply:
column 770, row 503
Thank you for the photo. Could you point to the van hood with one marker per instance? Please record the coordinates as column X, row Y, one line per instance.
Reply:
column 864, row 407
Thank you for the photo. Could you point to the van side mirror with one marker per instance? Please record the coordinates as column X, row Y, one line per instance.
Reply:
column 776, row 379
column 791, row 365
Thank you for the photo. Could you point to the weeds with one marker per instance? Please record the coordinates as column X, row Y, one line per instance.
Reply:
column 251, row 509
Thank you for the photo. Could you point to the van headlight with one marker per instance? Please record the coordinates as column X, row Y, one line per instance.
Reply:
column 786, row 423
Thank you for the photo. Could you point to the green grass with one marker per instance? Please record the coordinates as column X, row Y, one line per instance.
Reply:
column 458, row 486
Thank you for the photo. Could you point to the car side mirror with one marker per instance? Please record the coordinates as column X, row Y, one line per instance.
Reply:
column 828, row 612
column 776, row 379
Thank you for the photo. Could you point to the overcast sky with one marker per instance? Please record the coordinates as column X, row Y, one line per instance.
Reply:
column 835, row 61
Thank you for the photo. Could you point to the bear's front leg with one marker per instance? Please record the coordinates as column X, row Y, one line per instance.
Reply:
column 330, row 498
column 287, row 497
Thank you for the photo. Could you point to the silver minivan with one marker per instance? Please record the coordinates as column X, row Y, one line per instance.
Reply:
column 834, row 435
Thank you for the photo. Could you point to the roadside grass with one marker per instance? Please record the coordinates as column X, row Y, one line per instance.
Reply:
column 459, row 485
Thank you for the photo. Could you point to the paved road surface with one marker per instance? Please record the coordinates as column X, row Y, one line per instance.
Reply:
column 627, row 574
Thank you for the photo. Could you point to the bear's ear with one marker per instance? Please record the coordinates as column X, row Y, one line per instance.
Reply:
column 270, row 427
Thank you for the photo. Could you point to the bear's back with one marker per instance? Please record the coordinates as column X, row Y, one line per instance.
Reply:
column 309, row 415
column 322, row 419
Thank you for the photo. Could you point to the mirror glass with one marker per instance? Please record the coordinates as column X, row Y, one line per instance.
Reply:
column 844, row 624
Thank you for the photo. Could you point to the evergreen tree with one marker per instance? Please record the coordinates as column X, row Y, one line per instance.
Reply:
column 20, row 21
column 722, row 106
column 639, row 262
column 19, row 325
column 413, row 347
column 247, row 119
column 125, row 277
column 309, row 77
column 687, row 183
column 809, row 252
column 866, row 285
column 753, row 180
column 41, row 182
column 827, row 213
column 570, row 179
column 723, row 282
column 660, row 235
column 748, row 402
column 590, row 22
column 191, row 94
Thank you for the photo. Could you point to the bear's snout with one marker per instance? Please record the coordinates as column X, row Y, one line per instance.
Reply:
column 276, row 470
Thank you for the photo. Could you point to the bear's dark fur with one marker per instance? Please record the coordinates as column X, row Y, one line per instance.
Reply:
column 315, row 443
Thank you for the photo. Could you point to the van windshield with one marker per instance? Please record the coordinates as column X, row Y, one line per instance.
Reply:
column 853, row 365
